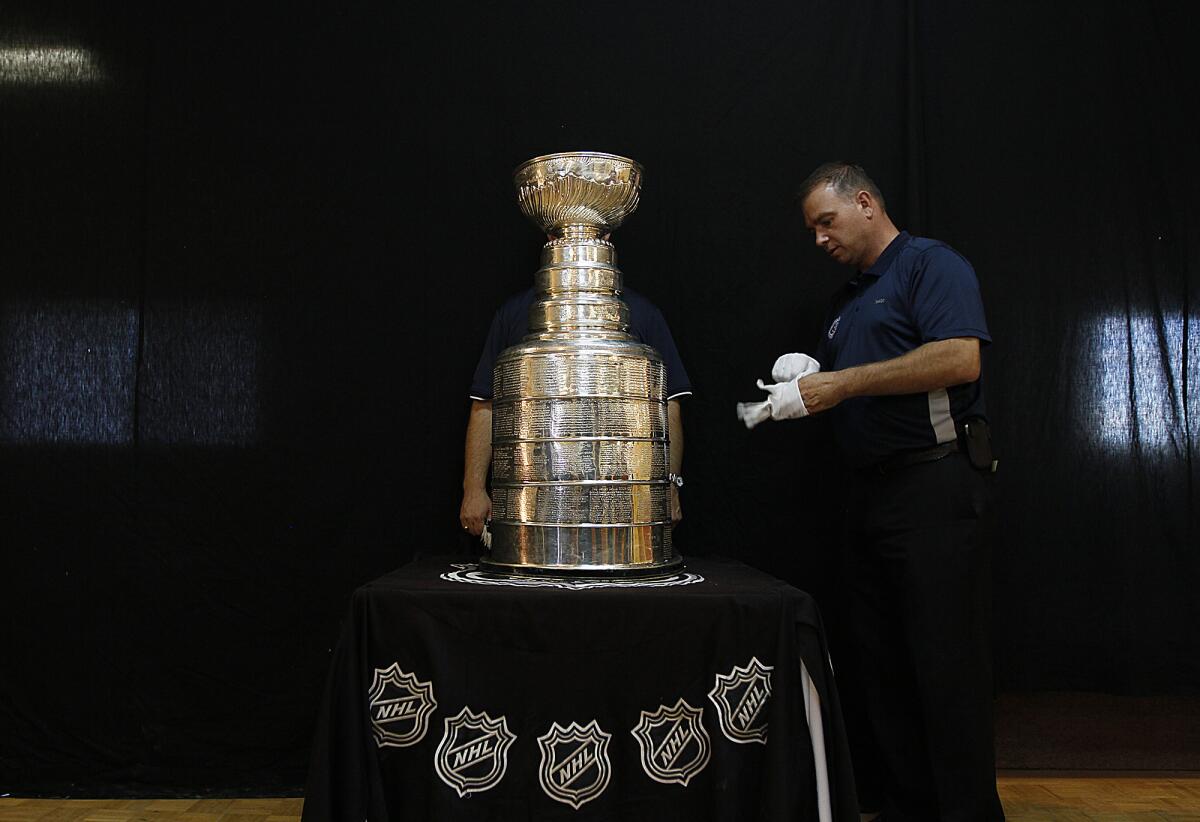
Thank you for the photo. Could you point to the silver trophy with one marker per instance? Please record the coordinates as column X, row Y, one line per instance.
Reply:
column 580, row 446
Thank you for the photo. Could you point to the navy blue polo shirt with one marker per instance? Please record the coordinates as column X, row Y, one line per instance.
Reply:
column 918, row 291
column 646, row 323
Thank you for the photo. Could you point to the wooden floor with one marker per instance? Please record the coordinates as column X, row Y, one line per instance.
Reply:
column 151, row 810
column 1032, row 797
column 1027, row 797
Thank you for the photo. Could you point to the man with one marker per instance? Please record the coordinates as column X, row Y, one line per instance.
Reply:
column 510, row 324
column 900, row 367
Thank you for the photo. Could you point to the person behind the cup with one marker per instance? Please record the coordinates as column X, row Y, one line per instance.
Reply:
column 897, row 369
column 509, row 325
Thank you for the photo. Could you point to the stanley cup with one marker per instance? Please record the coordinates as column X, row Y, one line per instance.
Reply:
column 580, row 446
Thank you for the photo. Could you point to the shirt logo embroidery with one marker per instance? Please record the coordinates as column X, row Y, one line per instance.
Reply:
column 833, row 328
column 881, row 301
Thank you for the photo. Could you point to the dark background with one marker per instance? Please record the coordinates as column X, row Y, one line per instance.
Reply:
column 248, row 256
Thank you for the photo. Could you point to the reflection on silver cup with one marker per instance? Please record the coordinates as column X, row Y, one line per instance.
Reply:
column 580, row 445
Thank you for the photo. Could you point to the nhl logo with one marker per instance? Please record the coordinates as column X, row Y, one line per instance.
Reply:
column 575, row 767
column 473, row 753
column 740, row 698
column 400, row 707
column 675, row 747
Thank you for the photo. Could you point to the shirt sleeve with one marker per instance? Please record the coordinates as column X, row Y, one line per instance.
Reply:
column 481, row 385
column 945, row 298
column 656, row 333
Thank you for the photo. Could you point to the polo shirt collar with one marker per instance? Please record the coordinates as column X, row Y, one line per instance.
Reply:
column 889, row 255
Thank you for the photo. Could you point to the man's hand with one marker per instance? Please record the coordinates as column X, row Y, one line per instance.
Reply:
column 784, row 400
column 821, row 391
column 476, row 507
column 676, row 508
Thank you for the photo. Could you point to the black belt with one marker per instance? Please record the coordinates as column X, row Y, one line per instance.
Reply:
column 914, row 458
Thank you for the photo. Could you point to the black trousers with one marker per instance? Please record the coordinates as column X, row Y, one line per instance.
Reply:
column 916, row 647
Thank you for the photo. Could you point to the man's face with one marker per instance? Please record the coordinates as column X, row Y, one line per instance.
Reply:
column 839, row 225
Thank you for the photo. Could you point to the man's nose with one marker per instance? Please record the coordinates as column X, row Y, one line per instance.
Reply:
column 821, row 238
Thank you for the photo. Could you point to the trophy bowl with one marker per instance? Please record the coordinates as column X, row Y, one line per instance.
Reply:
column 588, row 191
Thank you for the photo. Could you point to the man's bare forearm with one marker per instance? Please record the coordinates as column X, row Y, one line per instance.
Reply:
column 938, row 364
column 675, row 428
column 476, row 506
column 934, row 365
column 479, row 446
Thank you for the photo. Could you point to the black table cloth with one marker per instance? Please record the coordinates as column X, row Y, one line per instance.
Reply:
column 454, row 698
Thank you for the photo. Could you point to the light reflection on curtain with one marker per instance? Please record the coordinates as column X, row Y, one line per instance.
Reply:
column 45, row 65
column 1144, row 393
column 69, row 373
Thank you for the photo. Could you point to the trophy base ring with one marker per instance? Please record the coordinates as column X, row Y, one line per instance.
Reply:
column 579, row 572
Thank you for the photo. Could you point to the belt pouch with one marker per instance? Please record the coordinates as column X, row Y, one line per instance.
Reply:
column 977, row 439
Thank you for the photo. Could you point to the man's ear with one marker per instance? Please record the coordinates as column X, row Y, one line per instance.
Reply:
column 865, row 203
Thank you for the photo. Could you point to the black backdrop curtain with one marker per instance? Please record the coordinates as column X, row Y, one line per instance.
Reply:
column 250, row 254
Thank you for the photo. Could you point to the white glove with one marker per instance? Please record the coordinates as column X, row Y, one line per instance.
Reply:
column 785, row 400
column 793, row 366
column 752, row 413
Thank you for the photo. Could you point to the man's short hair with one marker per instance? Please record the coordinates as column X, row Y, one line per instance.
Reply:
column 846, row 179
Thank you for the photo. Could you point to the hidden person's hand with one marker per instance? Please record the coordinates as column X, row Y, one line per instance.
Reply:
column 476, row 508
